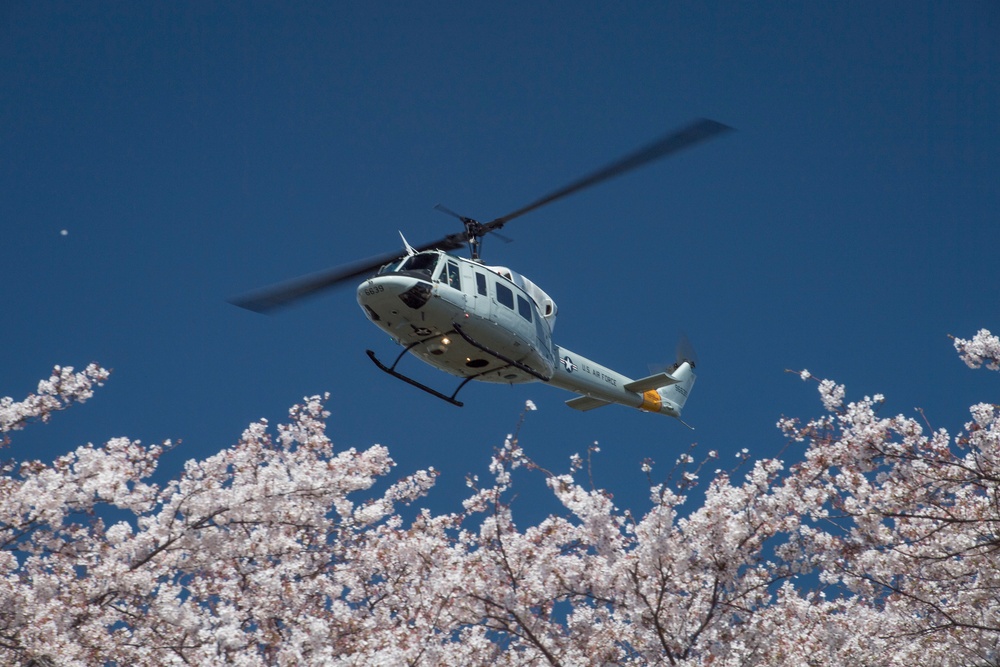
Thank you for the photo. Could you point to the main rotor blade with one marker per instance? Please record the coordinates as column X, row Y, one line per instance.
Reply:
column 448, row 211
column 698, row 131
column 283, row 294
column 467, row 220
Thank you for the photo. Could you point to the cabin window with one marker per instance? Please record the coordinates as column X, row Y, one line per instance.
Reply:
column 523, row 307
column 481, row 284
column 454, row 279
column 505, row 296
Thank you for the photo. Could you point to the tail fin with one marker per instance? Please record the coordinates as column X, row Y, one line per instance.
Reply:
column 676, row 394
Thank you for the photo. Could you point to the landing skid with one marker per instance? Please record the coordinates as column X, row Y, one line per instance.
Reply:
column 391, row 370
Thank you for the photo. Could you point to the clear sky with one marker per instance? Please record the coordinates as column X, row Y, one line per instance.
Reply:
column 193, row 151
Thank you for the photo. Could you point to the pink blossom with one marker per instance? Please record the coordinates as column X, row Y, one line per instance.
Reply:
column 875, row 543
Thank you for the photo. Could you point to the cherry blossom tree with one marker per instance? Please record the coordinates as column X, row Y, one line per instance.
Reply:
column 875, row 544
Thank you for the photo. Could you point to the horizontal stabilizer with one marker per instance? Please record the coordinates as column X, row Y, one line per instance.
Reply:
column 651, row 382
column 584, row 403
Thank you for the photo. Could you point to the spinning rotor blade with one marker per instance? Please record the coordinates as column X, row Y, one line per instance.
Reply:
column 448, row 211
column 477, row 227
column 698, row 131
column 685, row 351
column 284, row 294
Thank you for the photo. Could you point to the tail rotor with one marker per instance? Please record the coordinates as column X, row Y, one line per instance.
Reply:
column 676, row 394
column 685, row 352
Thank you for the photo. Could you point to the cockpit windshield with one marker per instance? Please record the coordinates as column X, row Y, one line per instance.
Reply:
column 422, row 263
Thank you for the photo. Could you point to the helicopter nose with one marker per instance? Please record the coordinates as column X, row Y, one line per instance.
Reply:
column 414, row 293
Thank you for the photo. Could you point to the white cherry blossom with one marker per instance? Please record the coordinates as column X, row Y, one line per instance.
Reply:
column 874, row 543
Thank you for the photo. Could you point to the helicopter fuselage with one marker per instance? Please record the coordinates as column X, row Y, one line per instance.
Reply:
column 488, row 323
column 419, row 300
column 492, row 325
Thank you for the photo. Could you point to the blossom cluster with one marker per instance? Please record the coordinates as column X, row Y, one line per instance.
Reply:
column 983, row 348
column 62, row 389
column 877, row 545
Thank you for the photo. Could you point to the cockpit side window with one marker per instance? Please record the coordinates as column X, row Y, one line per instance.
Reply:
column 392, row 267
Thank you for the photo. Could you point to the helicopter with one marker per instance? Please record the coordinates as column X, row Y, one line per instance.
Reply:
column 488, row 323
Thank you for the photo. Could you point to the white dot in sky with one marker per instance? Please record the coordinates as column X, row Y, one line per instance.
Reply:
column 64, row 232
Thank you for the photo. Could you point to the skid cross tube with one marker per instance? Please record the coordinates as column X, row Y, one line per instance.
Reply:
column 507, row 360
column 391, row 370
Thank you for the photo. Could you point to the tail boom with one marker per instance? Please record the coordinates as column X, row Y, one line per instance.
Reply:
column 598, row 385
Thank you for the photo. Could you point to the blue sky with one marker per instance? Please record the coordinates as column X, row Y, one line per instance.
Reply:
column 194, row 151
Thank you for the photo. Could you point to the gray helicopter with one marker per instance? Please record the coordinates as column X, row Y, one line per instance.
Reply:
column 489, row 323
